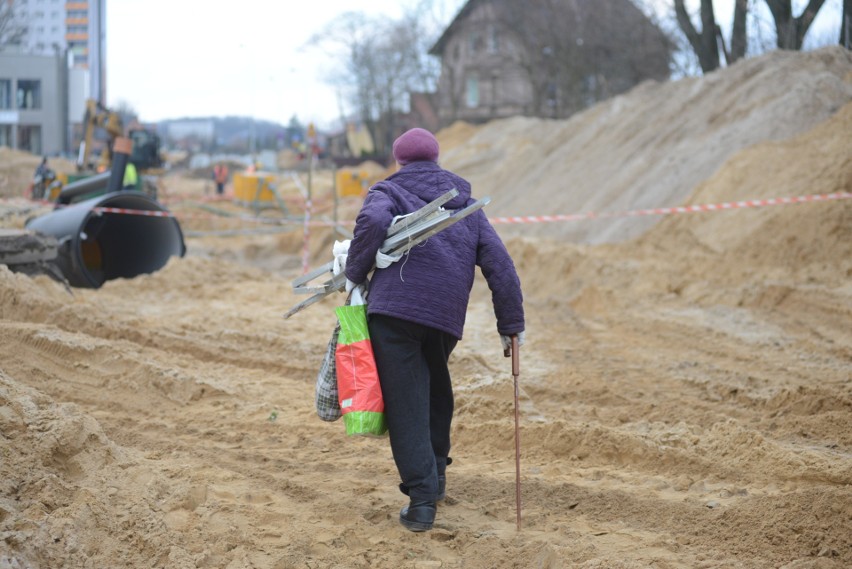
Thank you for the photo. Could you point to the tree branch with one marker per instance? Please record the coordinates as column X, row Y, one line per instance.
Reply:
column 704, row 43
column 739, row 35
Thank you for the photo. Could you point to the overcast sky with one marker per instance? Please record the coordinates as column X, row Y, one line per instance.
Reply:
column 179, row 58
column 176, row 58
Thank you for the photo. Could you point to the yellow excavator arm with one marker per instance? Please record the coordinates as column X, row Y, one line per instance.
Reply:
column 98, row 116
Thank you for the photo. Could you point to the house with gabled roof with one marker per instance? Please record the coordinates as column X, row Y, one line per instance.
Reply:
column 545, row 58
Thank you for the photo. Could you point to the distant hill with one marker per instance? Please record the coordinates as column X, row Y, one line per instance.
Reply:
column 235, row 132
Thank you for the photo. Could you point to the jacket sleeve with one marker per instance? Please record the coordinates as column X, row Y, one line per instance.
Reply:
column 371, row 227
column 502, row 278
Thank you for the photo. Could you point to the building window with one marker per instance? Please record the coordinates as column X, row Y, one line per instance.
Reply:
column 475, row 43
column 29, row 94
column 493, row 40
column 5, row 94
column 29, row 138
column 6, row 135
column 472, row 91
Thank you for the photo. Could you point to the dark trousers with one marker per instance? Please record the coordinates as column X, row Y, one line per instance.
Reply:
column 418, row 394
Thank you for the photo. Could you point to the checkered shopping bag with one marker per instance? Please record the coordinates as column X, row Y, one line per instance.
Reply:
column 325, row 397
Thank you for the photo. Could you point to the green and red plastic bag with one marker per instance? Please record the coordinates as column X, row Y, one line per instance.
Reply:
column 359, row 390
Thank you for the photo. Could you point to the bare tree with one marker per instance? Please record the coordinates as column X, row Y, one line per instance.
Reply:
column 791, row 30
column 752, row 20
column 12, row 31
column 126, row 112
column 379, row 61
column 739, row 36
column 708, row 42
column 703, row 41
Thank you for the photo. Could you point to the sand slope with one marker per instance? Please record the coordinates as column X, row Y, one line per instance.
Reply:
column 686, row 397
column 649, row 147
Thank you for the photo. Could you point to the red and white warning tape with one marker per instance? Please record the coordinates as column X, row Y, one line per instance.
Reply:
column 524, row 218
column 306, row 252
column 122, row 210
column 673, row 210
column 152, row 213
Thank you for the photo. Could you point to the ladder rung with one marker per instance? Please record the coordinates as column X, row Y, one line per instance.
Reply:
column 401, row 240
column 319, row 271
column 424, row 211
column 413, row 231
column 443, row 224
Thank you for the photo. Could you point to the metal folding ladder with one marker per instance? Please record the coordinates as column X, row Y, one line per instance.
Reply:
column 402, row 236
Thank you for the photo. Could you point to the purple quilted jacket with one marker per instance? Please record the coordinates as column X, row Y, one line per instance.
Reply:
column 431, row 284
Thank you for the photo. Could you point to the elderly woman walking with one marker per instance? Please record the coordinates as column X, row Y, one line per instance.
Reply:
column 416, row 312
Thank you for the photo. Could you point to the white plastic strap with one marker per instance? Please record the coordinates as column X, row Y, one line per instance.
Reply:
column 357, row 297
column 339, row 251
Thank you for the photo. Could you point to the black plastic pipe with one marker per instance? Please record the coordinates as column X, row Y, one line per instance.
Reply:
column 88, row 185
column 97, row 246
column 106, row 182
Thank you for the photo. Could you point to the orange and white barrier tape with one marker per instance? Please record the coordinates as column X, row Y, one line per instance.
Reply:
column 152, row 213
column 122, row 210
column 521, row 218
column 673, row 210
column 306, row 251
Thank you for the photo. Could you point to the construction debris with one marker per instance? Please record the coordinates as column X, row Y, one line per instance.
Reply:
column 30, row 253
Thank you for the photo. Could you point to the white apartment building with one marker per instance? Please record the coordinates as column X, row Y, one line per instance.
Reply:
column 46, row 79
column 45, row 21
column 54, row 26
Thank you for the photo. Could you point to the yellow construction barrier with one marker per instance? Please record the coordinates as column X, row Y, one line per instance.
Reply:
column 253, row 187
column 351, row 182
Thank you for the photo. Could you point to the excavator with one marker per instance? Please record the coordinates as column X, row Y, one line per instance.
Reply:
column 145, row 154
column 146, row 144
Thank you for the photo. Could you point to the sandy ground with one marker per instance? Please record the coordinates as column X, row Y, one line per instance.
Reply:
column 685, row 395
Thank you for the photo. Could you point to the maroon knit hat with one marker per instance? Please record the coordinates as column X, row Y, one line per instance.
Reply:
column 415, row 145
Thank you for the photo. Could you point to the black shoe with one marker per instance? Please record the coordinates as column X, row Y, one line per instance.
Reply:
column 418, row 515
column 442, row 488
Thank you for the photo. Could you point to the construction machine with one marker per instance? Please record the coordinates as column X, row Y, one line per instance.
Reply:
column 98, row 117
column 145, row 154
column 146, row 144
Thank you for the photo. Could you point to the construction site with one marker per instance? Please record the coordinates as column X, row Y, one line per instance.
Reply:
column 685, row 387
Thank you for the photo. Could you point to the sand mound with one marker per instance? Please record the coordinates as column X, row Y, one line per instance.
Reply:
column 685, row 396
column 648, row 148
column 817, row 162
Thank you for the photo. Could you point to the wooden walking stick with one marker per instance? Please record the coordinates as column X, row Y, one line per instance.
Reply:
column 515, row 373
